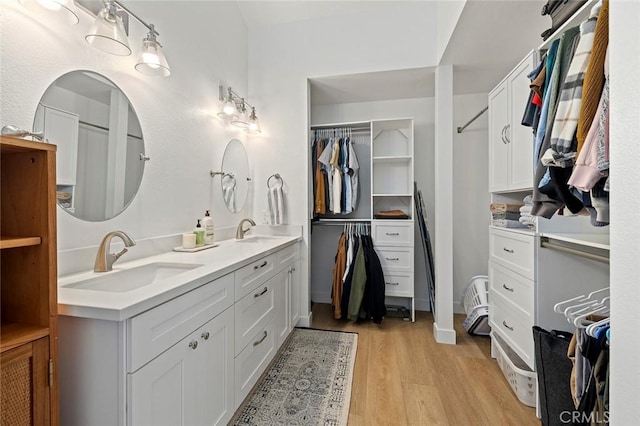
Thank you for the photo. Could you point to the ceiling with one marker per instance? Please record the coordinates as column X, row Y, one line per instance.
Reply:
column 389, row 85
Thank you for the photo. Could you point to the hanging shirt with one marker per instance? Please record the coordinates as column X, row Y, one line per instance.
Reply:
column 325, row 160
column 338, row 272
column 353, row 175
column 337, row 178
column 347, row 186
column 320, row 200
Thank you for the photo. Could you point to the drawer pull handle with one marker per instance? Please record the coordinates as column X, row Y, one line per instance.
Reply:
column 193, row 344
column 395, row 259
column 392, row 234
column 205, row 335
column 504, row 323
column 507, row 288
column 261, row 339
column 392, row 283
column 261, row 293
column 260, row 266
column 507, row 250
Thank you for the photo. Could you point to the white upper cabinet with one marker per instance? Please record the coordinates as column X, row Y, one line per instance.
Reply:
column 511, row 143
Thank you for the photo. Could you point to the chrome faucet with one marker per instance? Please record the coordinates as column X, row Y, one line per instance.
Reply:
column 105, row 259
column 241, row 231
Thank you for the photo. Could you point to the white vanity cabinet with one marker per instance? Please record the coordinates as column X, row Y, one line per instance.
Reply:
column 188, row 361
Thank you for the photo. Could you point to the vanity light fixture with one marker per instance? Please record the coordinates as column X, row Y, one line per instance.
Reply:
column 108, row 34
column 237, row 111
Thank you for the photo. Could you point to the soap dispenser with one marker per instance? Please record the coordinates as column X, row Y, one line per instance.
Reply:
column 199, row 231
column 209, row 231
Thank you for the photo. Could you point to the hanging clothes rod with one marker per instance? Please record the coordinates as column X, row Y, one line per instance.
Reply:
column 546, row 243
column 338, row 222
column 475, row 117
column 352, row 128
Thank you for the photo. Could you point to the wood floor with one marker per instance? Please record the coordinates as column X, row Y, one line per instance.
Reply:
column 403, row 377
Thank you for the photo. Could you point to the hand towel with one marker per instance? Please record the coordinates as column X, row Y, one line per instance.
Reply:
column 504, row 223
column 505, row 207
column 275, row 197
column 229, row 192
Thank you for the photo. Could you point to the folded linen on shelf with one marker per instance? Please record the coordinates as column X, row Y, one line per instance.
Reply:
column 505, row 223
column 526, row 209
column 506, row 215
column 505, row 207
column 390, row 214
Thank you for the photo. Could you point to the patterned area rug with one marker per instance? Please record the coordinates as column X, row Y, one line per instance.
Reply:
column 308, row 383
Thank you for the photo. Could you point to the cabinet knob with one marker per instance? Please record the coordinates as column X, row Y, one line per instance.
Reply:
column 205, row 335
column 193, row 344
column 506, row 135
column 393, row 259
column 392, row 234
column 261, row 265
column 507, row 288
column 503, row 136
column 392, row 283
column 507, row 250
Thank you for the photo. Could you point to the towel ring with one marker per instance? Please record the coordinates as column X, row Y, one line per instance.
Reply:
column 276, row 176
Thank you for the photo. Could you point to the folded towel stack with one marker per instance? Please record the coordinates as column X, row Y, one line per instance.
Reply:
column 506, row 215
column 526, row 218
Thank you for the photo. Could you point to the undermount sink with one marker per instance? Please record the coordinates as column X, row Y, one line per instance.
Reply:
column 256, row 239
column 123, row 280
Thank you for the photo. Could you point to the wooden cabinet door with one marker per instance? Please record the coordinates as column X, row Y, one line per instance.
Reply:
column 498, row 145
column 520, row 137
column 163, row 392
column 25, row 384
column 216, row 379
column 294, row 295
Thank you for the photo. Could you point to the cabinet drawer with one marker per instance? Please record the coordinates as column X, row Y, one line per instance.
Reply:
column 250, row 276
column 515, row 251
column 395, row 258
column 253, row 360
column 512, row 286
column 512, row 325
column 400, row 285
column 152, row 332
column 288, row 255
column 252, row 312
column 392, row 233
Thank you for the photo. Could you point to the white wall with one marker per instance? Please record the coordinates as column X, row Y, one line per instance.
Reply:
column 449, row 12
column 422, row 111
column 282, row 57
column 625, row 204
column 470, row 194
column 205, row 42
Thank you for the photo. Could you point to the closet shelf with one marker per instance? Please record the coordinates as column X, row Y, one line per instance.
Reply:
column 393, row 158
column 13, row 334
column 598, row 241
column 392, row 195
column 523, row 231
column 7, row 242
column 577, row 18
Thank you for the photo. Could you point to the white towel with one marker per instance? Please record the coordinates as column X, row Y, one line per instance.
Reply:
column 275, row 198
column 229, row 192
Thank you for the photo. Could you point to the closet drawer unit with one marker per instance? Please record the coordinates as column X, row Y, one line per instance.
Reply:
column 515, row 251
column 152, row 332
column 252, row 275
column 399, row 285
column 253, row 360
column 288, row 255
column 252, row 312
column 512, row 286
column 395, row 259
column 392, row 233
column 513, row 326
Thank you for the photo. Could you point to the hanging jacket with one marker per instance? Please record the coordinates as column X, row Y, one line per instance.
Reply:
column 373, row 301
column 358, row 284
column 346, row 286
column 338, row 273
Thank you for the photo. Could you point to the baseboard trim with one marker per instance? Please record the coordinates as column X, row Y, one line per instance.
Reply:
column 444, row 336
column 305, row 321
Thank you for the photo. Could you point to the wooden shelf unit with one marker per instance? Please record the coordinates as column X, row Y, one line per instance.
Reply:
column 28, row 280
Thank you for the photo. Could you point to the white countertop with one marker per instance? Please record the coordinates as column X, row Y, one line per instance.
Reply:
column 228, row 256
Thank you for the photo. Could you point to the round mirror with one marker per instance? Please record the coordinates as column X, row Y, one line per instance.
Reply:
column 235, row 176
column 100, row 157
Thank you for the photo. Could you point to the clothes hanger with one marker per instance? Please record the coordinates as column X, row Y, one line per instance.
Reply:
column 579, row 318
column 575, row 301
column 592, row 329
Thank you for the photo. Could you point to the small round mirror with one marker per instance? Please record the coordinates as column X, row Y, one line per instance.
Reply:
column 100, row 156
column 235, row 176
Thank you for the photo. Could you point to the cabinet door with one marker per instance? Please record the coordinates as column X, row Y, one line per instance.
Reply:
column 294, row 294
column 24, row 398
column 498, row 146
column 215, row 370
column 61, row 128
column 164, row 391
column 282, row 305
column 520, row 137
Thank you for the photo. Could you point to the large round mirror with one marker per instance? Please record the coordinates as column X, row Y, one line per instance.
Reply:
column 235, row 176
column 100, row 156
